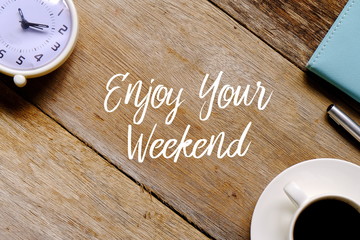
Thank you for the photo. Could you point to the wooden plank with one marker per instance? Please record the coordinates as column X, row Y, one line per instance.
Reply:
column 177, row 43
column 52, row 186
column 294, row 28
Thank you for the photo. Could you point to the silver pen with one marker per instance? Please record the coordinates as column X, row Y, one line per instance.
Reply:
column 344, row 120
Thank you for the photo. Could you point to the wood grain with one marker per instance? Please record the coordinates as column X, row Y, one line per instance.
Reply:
column 55, row 187
column 294, row 28
column 177, row 43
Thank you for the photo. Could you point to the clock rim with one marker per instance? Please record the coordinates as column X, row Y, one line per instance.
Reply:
column 59, row 60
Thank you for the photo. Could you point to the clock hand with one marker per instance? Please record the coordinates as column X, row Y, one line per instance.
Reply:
column 21, row 15
column 24, row 23
column 37, row 25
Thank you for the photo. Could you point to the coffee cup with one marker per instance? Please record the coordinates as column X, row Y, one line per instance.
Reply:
column 323, row 216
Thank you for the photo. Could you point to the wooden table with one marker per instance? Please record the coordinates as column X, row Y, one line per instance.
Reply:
column 65, row 169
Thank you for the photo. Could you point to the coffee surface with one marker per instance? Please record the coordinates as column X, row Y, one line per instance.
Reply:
column 328, row 219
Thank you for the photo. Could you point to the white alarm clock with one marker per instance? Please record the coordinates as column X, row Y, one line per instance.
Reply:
column 36, row 36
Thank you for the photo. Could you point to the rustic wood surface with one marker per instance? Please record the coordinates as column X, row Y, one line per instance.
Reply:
column 294, row 28
column 177, row 43
column 54, row 187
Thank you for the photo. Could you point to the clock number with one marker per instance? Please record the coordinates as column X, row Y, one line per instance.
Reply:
column 38, row 57
column 63, row 29
column 56, row 46
column 20, row 60
column 2, row 52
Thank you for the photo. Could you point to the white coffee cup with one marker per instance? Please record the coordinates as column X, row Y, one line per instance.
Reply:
column 302, row 201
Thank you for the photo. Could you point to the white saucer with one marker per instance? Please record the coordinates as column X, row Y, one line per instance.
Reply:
column 273, row 211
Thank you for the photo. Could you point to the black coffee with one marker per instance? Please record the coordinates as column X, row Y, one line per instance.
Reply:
column 328, row 219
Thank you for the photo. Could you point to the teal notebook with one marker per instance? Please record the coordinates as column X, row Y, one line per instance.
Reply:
column 337, row 58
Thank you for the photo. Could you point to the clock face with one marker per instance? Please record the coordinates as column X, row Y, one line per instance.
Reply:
column 33, row 33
